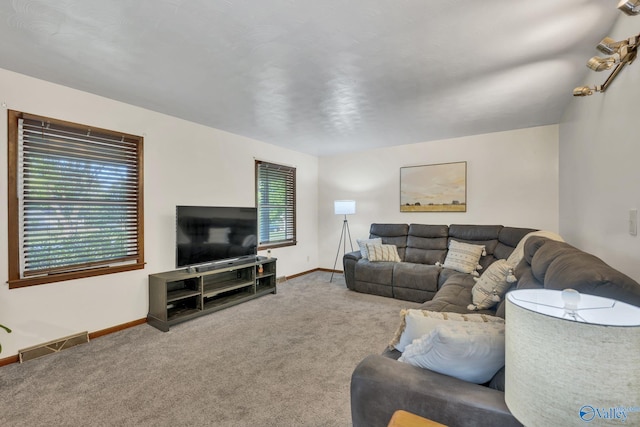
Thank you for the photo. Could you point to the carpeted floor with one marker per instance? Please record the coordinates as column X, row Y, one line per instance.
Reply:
column 279, row 360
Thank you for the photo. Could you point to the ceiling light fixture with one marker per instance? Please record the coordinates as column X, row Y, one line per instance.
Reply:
column 630, row 7
column 621, row 53
column 598, row 63
column 586, row 90
column 609, row 46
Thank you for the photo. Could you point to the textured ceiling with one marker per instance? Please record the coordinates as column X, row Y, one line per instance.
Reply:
column 318, row 76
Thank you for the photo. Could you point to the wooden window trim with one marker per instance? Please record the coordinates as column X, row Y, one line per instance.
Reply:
column 13, row 217
column 294, row 241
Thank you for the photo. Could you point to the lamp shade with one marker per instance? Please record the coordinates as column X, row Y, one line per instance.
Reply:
column 344, row 207
column 569, row 366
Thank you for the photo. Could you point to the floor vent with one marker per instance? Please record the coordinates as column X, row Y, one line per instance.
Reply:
column 52, row 346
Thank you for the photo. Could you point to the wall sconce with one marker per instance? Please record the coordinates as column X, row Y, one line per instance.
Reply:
column 630, row 7
column 621, row 53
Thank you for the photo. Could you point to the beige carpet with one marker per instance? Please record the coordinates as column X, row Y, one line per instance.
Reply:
column 280, row 360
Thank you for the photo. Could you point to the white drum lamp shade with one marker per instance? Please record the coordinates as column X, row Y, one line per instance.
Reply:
column 344, row 207
column 568, row 366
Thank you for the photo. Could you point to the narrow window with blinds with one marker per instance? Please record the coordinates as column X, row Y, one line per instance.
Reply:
column 276, row 203
column 75, row 202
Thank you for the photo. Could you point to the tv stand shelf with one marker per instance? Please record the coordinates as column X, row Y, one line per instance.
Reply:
column 180, row 295
column 217, row 288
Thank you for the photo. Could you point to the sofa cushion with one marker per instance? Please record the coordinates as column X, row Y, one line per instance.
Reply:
column 558, row 265
column 416, row 276
column 484, row 235
column 416, row 323
column 379, row 253
column 463, row 257
column 374, row 272
column 427, row 244
column 362, row 244
column 391, row 234
column 508, row 239
column 518, row 253
column 475, row 233
column 469, row 351
column 454, row 295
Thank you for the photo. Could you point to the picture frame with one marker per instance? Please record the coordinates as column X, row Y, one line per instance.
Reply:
column 439, row 187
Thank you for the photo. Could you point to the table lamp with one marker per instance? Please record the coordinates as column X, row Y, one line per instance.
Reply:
column 571, row 359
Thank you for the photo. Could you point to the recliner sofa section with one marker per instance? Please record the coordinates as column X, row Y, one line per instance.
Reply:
column 420, row 247
column 380, row 384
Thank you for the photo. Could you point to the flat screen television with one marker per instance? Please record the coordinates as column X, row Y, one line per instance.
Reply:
column 210, row 234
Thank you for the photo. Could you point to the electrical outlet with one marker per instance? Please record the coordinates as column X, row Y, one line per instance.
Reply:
column 633, row 222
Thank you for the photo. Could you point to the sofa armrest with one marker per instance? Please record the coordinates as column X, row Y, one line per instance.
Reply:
column 349, row 261
column 355, row 255
column 380, row 386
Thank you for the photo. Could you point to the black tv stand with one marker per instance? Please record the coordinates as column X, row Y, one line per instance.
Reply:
column 180, row 295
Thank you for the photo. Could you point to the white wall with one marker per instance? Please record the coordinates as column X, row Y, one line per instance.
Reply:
column 184, row 163
column 512, row 179
column 599, row 172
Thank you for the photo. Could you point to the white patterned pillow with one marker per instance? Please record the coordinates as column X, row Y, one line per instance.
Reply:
column 464, row 257
column 469, row 351
column 362, row 243
column 383, row 253
column 491, row 286
column 417, row 323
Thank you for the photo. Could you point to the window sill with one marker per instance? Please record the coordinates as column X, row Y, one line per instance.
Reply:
column 277, row 245
column 41, row 280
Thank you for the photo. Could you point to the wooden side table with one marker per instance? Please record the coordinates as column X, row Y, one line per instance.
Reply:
column 402, row 418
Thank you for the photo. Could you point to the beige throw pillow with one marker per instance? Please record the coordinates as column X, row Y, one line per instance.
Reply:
column 464, row 257
column 382, row 253
column 417, row 323
column 491, row 286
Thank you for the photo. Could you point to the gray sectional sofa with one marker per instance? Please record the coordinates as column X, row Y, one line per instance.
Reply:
column 420, row 247
column 380, row 384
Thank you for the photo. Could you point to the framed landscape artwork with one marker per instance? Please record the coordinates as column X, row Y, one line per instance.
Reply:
column 434, row 188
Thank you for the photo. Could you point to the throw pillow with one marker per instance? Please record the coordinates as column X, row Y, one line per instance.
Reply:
column 362, row 243
column 382, row 253
column 469, row 351
column 417, row 323
column 491, row 286
column 464, row 257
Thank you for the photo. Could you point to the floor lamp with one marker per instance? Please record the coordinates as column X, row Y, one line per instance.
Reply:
column 343, row 207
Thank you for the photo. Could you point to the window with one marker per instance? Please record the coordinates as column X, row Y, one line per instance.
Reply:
column 75, row 201
column 276, row 202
